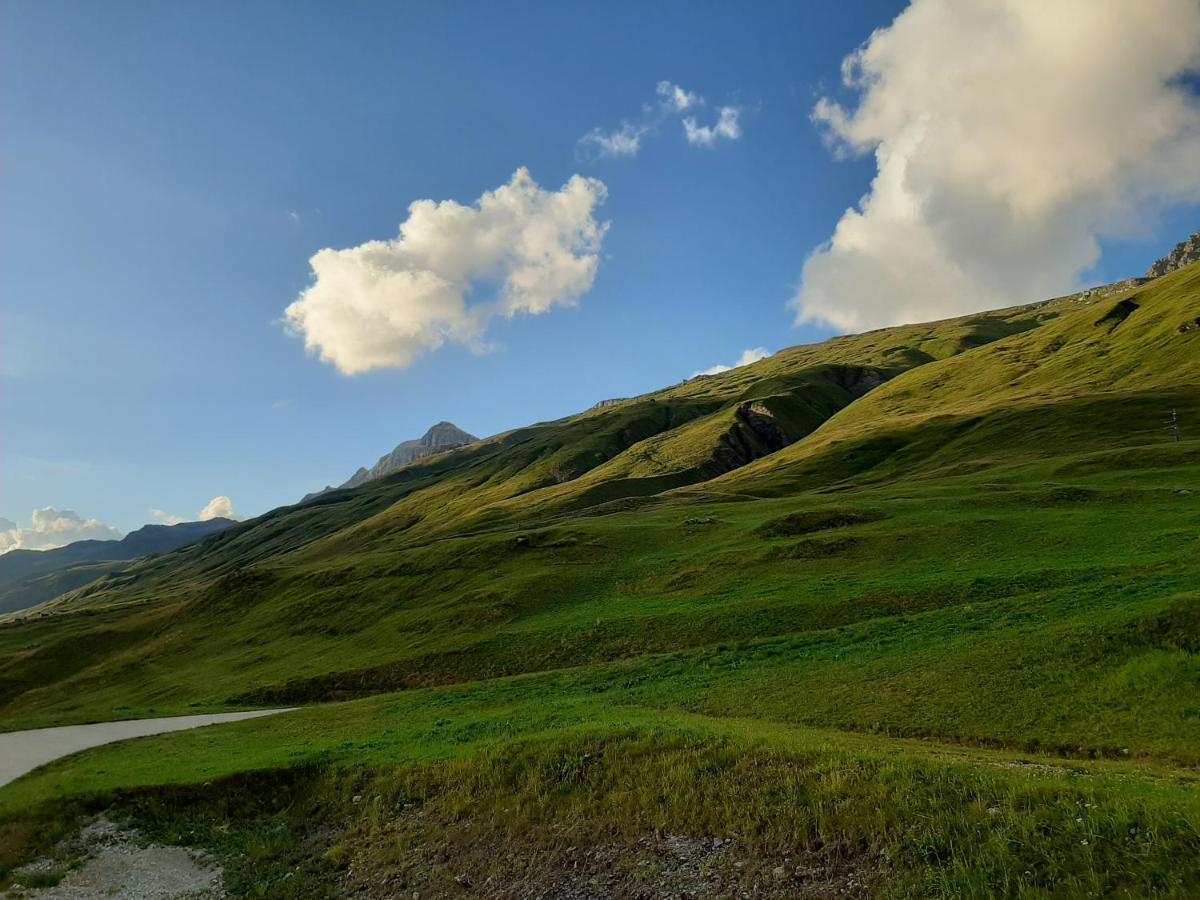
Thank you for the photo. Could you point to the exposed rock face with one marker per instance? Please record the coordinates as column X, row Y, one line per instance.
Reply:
column 755, row 433
column 605, row 404
column 1185, row 252
column 856, row 380
column 441, row 437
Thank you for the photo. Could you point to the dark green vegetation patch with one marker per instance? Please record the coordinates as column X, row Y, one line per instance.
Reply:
column 797, row 524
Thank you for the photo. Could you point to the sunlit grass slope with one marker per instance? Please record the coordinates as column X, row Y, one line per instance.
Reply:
column 1096, row 373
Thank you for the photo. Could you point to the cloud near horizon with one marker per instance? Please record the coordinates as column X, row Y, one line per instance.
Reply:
column 50, row 528
column 1009, row 136
column 384, row 303
column 673, row 101
column 752, row 355
column 218, row 507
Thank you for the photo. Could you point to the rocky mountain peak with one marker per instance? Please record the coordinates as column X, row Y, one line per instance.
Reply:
column 445, row 434
column 441, row 437
column 1187, row 251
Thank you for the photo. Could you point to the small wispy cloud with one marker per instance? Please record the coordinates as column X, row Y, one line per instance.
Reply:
column 727, row 127
column 673, row 101
column 677, row 98
column 752, row 355
column 625, row 141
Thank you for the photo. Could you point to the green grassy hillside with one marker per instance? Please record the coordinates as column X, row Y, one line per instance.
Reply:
column 1095, row 374
column 908, row 613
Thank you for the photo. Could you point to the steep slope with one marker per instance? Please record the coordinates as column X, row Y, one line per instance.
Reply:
column 29, row 577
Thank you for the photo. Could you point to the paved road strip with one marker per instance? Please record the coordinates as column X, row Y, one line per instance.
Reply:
column 24, row 751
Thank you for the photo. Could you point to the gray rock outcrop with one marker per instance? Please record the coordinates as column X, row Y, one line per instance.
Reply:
column 441, row 437
column 1185, row 252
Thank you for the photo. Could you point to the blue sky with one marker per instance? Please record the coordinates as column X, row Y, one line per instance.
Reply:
column 169, row 169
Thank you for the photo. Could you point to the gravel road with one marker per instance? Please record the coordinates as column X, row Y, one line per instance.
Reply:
column 24, row 751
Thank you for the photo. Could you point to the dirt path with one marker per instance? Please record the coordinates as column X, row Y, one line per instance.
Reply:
column 24, row 751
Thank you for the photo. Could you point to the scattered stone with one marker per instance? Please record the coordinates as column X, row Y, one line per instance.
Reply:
column 700, row 520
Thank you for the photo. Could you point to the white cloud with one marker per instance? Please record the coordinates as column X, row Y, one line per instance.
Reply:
column 383, row 303
column 218, row 507
column 677, row 98
column 748, row 356
column 726, row 127
column 625, row 141
column 50, row 528
column 673, row 101
column 1008, row 135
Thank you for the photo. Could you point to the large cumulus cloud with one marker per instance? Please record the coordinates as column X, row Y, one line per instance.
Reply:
column 1008, row 136
column 452, row 269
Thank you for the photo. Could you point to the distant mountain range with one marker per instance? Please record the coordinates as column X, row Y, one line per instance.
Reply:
column 29, row 577
column 441, row 437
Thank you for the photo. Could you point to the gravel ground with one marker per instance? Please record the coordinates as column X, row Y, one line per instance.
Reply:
column 116, row 864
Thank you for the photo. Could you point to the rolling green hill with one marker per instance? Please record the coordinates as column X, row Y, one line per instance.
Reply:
column 907, row 613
